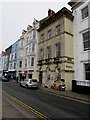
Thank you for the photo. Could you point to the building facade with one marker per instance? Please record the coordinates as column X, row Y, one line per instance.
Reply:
column 13, row 59
column 30, row 59
column 27, row 52
column 21, row 55
column 81, row 28
column 7, row 57
column 1, row 65
column 55, row 48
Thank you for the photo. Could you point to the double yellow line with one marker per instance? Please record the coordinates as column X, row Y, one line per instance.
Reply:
column 26, row 106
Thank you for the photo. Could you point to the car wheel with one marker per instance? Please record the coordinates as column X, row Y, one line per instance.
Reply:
column 27, row 86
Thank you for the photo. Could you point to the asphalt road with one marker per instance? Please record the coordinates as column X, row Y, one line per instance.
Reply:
column 49, row 105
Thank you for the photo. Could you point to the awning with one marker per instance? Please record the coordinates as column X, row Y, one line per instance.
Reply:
column 21, row 72
column 13, row 70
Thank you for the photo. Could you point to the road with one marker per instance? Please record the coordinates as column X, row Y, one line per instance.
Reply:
column 48, row 105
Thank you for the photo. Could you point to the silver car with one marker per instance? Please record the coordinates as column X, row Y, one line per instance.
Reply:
column 29, row 83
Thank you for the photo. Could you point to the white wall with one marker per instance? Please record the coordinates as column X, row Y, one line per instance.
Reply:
column 80, row 55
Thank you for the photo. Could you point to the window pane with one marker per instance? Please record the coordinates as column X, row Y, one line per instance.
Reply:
column 85, row 12
column 49, row 34
column 87, row 71
column 42, row 54
column 48, row 52
column 34, row 34
column 33, row 47
column 32, row 61
column 58, row 29
column 86, row 40
column 42, row 38
column 58, row 50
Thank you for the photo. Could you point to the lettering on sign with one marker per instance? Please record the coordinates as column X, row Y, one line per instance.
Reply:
column 68, row 66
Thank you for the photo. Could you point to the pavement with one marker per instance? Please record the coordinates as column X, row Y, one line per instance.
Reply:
column 11, row 109
column 66, row 93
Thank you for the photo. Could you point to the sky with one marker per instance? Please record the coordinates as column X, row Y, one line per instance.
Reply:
column 17, row 15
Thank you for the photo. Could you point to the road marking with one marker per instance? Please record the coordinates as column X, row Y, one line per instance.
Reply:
column 26, row 106
column 85, row 102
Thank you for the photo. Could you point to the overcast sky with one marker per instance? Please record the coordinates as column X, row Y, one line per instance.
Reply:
column 15, row 16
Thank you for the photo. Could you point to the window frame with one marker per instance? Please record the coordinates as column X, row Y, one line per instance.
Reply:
column 48, row 52
column 86, row 40
column 87, row 72
column 83, row 14
column 32, row 65
column 57, row 45
column 41, row 54
column 58, row 29
column 49, row 33
column 42, row 37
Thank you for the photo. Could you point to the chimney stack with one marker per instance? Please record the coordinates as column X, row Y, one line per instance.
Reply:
column 50, row 12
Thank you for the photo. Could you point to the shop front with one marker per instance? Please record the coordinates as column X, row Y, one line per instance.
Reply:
column 30, row 74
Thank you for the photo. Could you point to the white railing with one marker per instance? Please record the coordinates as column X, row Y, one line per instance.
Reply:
column 83, row 82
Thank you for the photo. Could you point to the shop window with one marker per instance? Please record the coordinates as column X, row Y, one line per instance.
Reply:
column 86, row 40
column 84, row 12
column 58, row 74
column 47, row 74
column 87, row 71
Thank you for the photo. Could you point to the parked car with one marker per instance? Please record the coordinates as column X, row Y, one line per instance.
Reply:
column 29, row 83
column 5, row 79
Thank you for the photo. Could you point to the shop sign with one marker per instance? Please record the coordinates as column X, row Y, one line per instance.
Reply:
column 68, row 66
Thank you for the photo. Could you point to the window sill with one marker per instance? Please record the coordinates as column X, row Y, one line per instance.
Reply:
column 85, row 51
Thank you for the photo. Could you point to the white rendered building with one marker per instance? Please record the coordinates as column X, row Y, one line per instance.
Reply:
column 81, row 28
